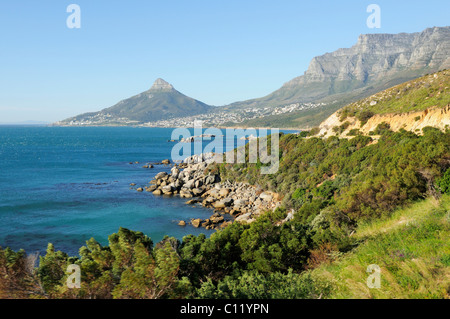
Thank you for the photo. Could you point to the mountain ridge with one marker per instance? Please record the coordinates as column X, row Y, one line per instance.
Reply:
column 375, row 63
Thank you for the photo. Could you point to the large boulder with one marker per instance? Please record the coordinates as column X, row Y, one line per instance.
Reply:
column 196, row 222
column 219, row 205
column 266, row 197
column 198, row 191
column 224, row 192
column 167, row 190
column 161, row 175
column 227, row 202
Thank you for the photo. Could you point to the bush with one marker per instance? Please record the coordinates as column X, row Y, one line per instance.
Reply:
column 444, row 182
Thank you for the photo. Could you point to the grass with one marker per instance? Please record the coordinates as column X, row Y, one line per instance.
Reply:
column 416, row 95
column 412, row 248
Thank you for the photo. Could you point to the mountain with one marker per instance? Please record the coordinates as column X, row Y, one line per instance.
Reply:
column 160, row 102
column 376, row 62
column 410, row 106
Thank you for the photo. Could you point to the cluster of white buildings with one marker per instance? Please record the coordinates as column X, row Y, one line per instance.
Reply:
column 220, row 118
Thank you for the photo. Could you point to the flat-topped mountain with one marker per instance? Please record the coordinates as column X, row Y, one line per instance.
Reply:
column 160, row 102
column 375, row 63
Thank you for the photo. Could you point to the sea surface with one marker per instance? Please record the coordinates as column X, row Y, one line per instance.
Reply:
column 65, row 185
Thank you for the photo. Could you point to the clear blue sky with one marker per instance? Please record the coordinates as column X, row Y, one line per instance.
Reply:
column 217, row 51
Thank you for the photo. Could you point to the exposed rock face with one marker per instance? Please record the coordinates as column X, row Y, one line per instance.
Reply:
column 161, row 85
column 377, row 60
column 412, row 121
column 410, row 106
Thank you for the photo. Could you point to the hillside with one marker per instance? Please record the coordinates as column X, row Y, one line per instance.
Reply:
column 410, row 268
column 161, row 101
column 376, row 62
column 411, row 106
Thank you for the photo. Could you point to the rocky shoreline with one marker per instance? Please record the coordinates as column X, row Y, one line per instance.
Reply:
column 231, row 202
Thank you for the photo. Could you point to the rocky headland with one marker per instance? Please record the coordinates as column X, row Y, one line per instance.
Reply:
column 230, row 201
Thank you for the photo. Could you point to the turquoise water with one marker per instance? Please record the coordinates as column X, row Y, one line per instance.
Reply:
column 65, row 185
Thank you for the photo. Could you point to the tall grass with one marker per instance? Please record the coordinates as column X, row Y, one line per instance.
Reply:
column 412, row 248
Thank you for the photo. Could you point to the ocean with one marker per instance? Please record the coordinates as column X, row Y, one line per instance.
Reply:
column 65, row 185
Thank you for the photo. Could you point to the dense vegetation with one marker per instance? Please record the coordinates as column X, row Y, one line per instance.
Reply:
column 337, row 187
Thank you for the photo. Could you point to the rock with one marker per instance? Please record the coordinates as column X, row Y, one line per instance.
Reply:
column 140, row 189
column 132, row 184
column 206, row 223
column 175, row 173
column 190, row 184
column 185, row 194
column 244, row 217
column 166, row 162
column 198, row 191
column 198, row 183
column 161, row 175
column 224, row 192
column 192, row 201
column 216, row 219
column 240, row 202
column 157, row 192
column 219, row 204
column 182, row 223
column 151, row 188
column 266, row 197
column 196, row 222
column 225, row 224
column 227, row 202
column 167, row 190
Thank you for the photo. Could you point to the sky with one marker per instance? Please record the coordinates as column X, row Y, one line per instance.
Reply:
column 215, row 51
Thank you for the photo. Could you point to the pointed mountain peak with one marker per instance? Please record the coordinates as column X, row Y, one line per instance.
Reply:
column 161, row 85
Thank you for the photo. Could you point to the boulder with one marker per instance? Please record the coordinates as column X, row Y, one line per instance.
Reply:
column 266, row 197
column 182, row 223
column 190, row 184
column 244, row 217
column 140, row 189
column 198, row 191
column 227, row 202
column 166, row 162
column 216, row 219
column 196, row 222
column 151, row 188
column 157, row 192
column 224, row 192
column 167, row 190
column 219, row 204
column 240, row 202
column 161, row 175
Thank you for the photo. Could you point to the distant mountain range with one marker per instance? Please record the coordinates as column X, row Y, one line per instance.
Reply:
column 376, row 62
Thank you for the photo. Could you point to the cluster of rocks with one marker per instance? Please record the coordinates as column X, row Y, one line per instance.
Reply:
column 152, row 165
column 241, row 201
